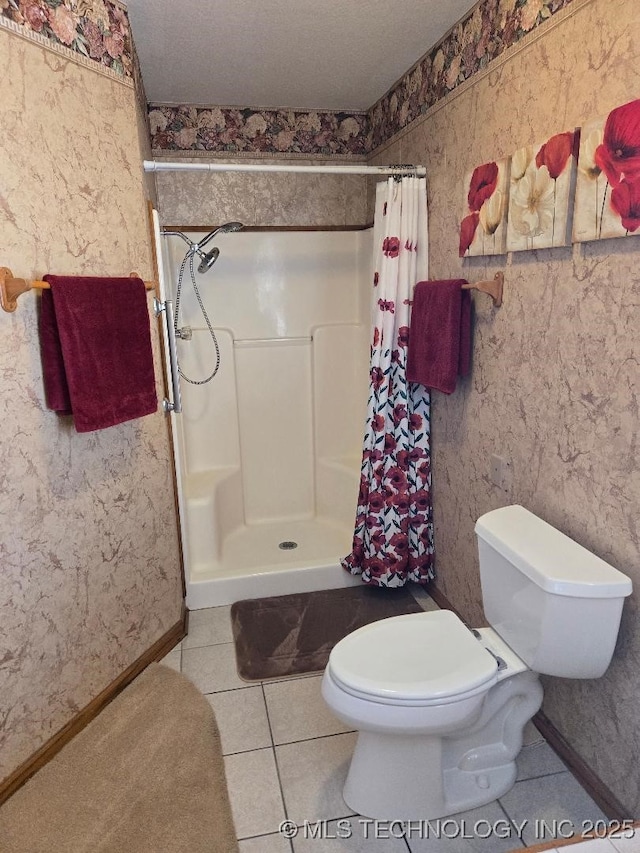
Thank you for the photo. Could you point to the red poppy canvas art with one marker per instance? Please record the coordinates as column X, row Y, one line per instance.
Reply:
column 608, row 186
column 483, row 226
column 542, row 181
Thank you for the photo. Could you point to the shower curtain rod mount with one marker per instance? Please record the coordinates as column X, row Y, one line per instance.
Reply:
column 326, row 169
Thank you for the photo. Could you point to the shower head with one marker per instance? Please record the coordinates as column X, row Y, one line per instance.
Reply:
column 223, row 229
column 231, row 226
column 208, row 259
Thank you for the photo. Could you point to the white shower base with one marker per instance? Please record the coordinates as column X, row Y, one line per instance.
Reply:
column 252, row 564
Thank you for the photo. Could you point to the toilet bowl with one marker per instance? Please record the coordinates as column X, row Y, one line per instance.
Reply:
column 440, row 708
column 415, row 715
column 371, row 673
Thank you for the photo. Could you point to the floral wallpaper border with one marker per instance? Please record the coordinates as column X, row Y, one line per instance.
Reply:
column 234, row 130
column 490, row 28
column 97, row 31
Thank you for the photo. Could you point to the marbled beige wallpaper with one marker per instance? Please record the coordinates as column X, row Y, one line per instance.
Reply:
column 265, row 198
column 554, row 386
column 89, row 563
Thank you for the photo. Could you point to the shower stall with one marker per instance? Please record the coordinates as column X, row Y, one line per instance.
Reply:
column 268, row 452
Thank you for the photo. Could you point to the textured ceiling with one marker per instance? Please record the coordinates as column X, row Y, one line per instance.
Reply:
column 303, row 54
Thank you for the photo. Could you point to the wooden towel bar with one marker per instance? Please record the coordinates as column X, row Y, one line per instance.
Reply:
column 11, row 288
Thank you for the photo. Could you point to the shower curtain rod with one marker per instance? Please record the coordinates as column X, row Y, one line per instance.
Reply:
column 399, row 170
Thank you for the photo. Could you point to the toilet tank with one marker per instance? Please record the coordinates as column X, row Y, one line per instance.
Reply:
column 556, row 604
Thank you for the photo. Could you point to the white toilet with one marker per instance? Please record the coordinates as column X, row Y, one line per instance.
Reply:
column 440, row 708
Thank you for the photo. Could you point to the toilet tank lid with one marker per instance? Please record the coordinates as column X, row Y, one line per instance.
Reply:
column 553, row 561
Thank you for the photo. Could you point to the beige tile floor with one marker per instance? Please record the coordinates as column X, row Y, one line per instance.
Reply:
column 286, row 758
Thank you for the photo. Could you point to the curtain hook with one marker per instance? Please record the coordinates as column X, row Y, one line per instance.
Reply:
column 404, row 170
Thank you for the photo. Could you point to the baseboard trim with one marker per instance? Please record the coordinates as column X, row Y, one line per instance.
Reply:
column 46, row 752
column 592, row 784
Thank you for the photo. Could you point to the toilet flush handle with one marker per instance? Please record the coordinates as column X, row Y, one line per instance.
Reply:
column 501, row 664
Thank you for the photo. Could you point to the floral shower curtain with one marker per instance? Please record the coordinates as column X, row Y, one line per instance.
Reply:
column 393, row 537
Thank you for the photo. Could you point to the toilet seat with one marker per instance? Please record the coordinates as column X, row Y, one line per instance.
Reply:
column 386, row 661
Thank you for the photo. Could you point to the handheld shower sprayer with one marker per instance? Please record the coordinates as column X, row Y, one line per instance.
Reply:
column 208, row 260
column 223, row 229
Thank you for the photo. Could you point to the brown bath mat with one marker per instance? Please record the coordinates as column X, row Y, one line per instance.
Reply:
column 294, row 634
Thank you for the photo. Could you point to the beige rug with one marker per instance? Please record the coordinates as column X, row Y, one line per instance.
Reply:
column 146, row 776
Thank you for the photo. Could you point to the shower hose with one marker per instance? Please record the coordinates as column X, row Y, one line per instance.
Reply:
column 189, row 258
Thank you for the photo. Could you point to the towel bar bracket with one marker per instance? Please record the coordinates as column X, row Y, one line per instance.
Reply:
column 11, row 288
column 493, row 287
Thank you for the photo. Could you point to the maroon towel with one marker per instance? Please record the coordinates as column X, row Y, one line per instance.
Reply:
column 440, row 334
column 96, row 350
column 464, row 363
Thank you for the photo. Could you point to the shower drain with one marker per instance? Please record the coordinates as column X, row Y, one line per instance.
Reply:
column 288, row 545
